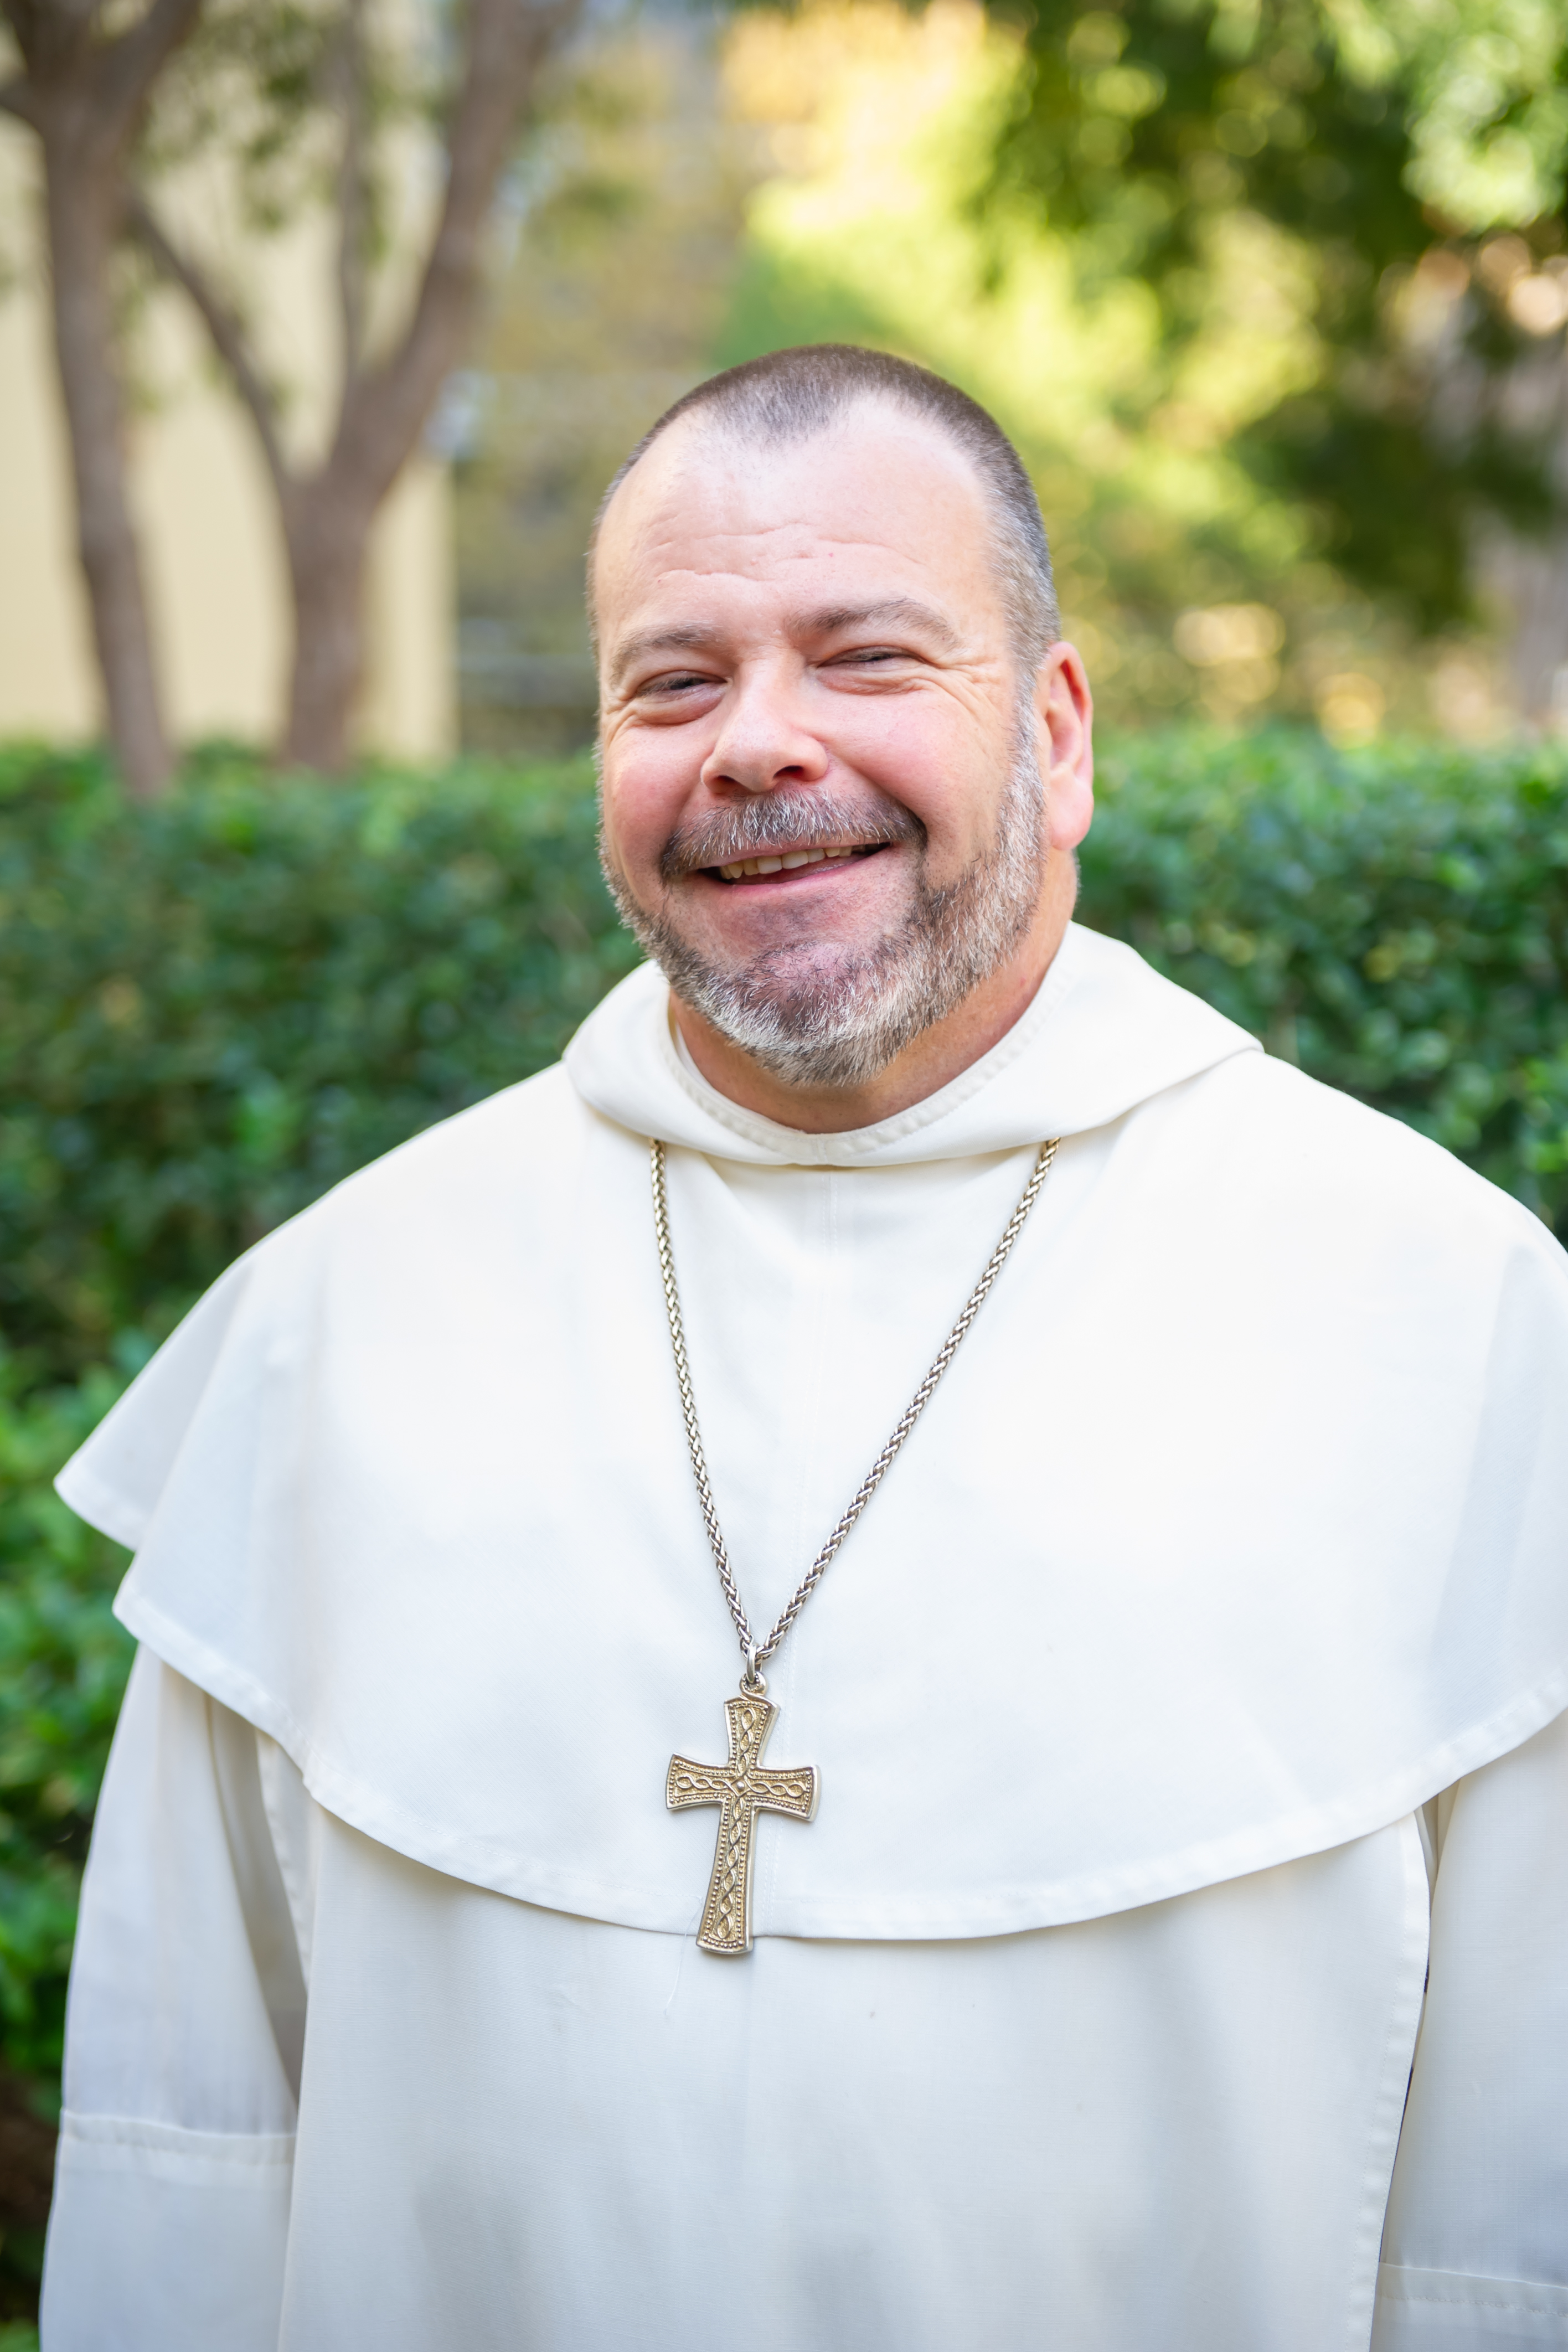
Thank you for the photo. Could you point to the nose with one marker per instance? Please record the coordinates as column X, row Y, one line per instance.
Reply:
column 762, row 742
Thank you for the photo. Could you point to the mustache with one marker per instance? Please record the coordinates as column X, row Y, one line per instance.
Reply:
column 783, row 820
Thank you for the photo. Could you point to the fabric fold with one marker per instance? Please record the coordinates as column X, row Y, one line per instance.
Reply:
column 1071, row 1062
column 1209, row 1553
column 1421, row 2309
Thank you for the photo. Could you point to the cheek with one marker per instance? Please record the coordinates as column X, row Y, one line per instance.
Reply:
column 646, row 783
column 927, row 754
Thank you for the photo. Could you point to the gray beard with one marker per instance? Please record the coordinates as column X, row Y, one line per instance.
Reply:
column 840, row 1027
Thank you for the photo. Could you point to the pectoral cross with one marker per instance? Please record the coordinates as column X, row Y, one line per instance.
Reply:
column 741, row 1789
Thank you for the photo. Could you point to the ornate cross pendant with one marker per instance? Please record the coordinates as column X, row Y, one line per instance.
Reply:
column 741, row 1789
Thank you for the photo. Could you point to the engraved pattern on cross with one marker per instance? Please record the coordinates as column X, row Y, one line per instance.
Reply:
column 742, row 1789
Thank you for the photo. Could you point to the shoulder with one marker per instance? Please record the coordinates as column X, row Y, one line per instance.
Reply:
column 512, row 1159
column 406, row 1260
column 1307, row 1161
column 522, row 1132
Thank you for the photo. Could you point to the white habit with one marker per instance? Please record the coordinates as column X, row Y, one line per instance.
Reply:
column 1195, row 1679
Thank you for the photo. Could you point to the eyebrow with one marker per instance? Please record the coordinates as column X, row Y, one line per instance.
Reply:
column 825, row 622
column 693, row 639
column 831, row 618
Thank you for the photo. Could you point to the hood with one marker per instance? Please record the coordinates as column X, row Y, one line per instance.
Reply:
column 1104, row 1033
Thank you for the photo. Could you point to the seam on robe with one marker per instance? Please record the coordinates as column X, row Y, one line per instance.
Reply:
column 172, row 2152
column 1405, row 2005
column 507, row 1869
column 1472, row 2291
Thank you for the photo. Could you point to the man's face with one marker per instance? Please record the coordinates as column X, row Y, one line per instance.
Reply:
column 821, row 775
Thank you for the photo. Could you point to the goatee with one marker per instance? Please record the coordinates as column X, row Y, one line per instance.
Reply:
column 840, row 1024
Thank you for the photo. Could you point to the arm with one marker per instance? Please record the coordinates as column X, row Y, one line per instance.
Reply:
column 1474, row 2254
column 182, row 2040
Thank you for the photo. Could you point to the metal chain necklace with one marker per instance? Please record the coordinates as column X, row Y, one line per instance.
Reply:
column 742, row 1788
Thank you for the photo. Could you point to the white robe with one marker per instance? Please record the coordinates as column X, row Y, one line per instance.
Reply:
column 1196, row 1676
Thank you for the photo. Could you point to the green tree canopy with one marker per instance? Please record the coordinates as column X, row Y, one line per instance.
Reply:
column 1415, row 153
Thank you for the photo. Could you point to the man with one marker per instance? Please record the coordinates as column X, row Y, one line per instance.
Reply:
column 1189, row 1684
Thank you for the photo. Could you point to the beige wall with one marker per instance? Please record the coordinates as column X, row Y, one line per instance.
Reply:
column 215, row 565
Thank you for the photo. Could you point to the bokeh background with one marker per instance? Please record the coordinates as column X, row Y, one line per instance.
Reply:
column 318, row 346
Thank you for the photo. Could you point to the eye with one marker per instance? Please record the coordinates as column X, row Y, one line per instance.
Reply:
column 675, row 681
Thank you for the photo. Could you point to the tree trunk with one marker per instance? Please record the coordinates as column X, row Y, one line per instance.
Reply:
column 1540, row 566
column 328, row 543
column 1535, row 577
column 81, row 198
column 327, row 517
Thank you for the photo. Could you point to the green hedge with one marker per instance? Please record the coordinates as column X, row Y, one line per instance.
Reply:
column 63, row 1662
column 62, row 1670
column 1396, row 920
column 211, row 1011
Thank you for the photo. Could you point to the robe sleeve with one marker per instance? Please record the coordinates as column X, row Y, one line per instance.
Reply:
column 1474, row 2251
column 184, row 2031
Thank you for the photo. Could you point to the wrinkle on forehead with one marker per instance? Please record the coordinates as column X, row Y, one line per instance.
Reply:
column 681, row 539
column 876, row 485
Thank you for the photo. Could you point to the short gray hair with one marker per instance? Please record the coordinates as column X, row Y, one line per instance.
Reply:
column 790, row 395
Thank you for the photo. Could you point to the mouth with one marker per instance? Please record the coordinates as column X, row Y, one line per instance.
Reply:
column 777, row 864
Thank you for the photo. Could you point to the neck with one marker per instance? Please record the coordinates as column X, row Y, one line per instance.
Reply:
column 930, row 1062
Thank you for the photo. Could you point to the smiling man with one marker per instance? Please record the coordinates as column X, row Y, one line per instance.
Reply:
column 881, row 1669
column 838, row 734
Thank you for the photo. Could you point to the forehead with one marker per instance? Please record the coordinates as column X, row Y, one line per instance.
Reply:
column 880, row 503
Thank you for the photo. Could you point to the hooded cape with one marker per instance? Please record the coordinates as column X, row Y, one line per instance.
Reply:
column 1235, row 1531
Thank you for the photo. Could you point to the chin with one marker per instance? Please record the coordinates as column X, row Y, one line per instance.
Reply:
column 808, row 968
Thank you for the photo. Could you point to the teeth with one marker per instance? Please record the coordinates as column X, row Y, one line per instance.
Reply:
column 790, row 860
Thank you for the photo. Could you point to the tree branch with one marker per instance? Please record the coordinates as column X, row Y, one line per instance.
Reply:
column 16, row 99
column 128, row 65
column 227, row 334
column 353, row 209
column 47, row 32
column 28, row 32
column 22, row 16
column 383, row 414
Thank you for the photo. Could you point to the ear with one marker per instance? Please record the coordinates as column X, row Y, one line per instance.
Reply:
column 1065, row 708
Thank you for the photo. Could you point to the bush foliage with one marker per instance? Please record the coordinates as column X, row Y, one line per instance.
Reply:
column 1396, row 920
column 63, row 1661
column 212, row 1010
column 62, row 1671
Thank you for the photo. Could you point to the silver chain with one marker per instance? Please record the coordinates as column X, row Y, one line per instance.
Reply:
column 757, row 1653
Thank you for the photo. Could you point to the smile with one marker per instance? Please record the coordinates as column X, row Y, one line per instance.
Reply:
column 789, row 861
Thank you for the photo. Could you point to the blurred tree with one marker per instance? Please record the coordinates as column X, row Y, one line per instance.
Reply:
column 621, row 231
column 879, row 224
column 1414, row 155
column 85, row 86
column 323, row 107
column 266, row 113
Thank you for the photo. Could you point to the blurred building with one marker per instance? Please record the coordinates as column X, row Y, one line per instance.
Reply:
column 214, row 559
column 618, row 245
